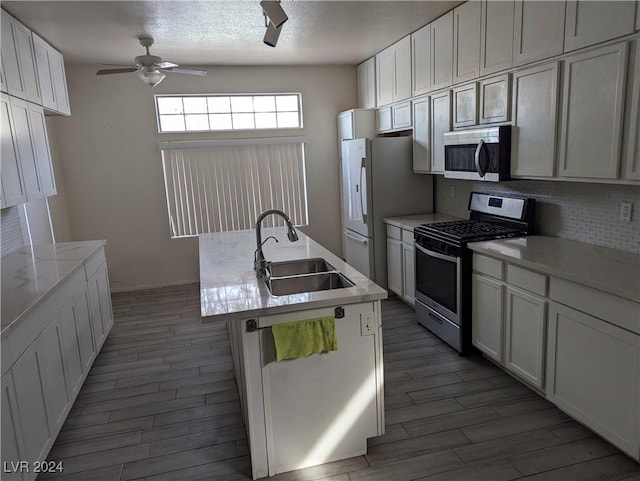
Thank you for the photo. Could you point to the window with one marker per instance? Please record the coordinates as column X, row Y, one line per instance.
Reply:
column 205, row 113
column 216, row 186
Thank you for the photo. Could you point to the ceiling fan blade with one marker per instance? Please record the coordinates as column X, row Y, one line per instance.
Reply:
column 116, row 70
column 166, row 65
column 189, row 71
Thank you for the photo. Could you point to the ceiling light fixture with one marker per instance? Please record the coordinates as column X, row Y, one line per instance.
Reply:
column 274, row 11
column 150, row 76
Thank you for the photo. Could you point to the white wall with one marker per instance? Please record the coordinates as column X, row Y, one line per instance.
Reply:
column 113, row 172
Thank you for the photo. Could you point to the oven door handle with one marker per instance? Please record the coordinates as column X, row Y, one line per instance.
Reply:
column 444, row 257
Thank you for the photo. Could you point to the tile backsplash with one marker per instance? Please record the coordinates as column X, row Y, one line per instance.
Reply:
column 582, row 212
column 11, row 228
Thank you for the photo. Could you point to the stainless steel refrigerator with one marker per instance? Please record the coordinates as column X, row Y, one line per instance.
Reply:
column 378, row 182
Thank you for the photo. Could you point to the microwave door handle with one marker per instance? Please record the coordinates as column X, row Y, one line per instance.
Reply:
column 363, row 169
column 479, row 169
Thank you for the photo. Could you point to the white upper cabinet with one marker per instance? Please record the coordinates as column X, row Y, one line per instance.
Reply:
column 385, row 66
column 13, row 192
column 17, row 59
column 589, row 22
column 421, row 135
column 538, row 30
column 496, row 36
column 466, row 41
column 40, row 142
column 26, row 151
column 355, row 124
column 442, row 52
column 494, row 99
column 535, row 121
column 60, row 83
column 440, row 123
column 393, row 73
column 632, row 117
column 366, row 73
column 465, row 105
column 592, row 113
column 637, row 14
column 51, row 75
column 421, row 60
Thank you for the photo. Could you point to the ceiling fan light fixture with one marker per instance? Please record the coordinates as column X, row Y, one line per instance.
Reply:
column 271, row 35
column 274, row 11
column 150, row 77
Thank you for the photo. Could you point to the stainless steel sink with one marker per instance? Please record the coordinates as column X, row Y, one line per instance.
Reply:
column 282, row 286
column 300, row 266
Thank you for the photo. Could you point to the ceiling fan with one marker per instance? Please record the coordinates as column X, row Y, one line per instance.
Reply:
column 148, row 66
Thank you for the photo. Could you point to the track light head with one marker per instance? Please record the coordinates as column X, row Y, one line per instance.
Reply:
column 271, row 35
column 274, row 12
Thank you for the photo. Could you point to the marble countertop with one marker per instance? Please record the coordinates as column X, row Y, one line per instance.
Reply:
column 30, row 273
column 609, row 270
column 229, row 288
column 410, row 222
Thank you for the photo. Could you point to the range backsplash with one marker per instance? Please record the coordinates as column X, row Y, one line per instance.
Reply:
column 578, row 211
column 11, row 229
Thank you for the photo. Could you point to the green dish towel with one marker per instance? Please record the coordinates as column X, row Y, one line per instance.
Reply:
column 298, row 339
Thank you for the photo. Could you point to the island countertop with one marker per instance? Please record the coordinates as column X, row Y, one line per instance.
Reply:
column 229, row 288
column 30, row 273
column 609, row 270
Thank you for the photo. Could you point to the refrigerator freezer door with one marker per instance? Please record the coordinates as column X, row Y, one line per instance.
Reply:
column 356, row 164
column 359, row 253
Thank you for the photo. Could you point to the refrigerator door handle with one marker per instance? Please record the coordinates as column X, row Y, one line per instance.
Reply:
column 364, row 240
column 363, row 169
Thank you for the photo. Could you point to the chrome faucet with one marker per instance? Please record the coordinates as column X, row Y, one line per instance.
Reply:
column 260, row 263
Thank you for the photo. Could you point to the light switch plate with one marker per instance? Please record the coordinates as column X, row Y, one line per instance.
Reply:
column 367, row 324
column 625, row 210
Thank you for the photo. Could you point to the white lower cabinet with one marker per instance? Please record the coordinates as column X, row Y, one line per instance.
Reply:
column 11, row 445
column 46, row 358
column 401, row 263
column 487, row 316
column 578, row 345
column 594, row 375
column 525, row 330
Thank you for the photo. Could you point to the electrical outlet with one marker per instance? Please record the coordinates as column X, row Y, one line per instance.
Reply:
column 367, row 324
column 625, row 210
column 452, row 191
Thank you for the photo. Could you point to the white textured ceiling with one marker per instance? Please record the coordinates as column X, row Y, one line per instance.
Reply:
column 202, row 33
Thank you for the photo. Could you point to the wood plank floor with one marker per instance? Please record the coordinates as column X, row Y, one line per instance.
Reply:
column 161, row 403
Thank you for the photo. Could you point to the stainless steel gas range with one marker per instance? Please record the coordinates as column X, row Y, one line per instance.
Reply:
column 443, row 262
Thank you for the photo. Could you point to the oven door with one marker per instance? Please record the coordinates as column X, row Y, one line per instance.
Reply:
column 438, row 282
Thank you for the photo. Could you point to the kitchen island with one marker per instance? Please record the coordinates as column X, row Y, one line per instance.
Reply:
column 310, row 410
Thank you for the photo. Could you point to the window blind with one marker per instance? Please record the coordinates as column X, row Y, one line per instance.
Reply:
column 225, row 186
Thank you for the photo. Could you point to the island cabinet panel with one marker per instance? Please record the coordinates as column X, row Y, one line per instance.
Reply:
column 466, row 42
column 592, row 113
column 496, row 36
column 589, row 22
column 535, row 120
column 538, row 31
column 334, row 399
column 593, row 372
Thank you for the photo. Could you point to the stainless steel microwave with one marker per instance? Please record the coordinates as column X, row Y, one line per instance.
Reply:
column 478, row 154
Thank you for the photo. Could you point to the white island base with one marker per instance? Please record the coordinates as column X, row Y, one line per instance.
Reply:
column 302, row 412
column 322, row 408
